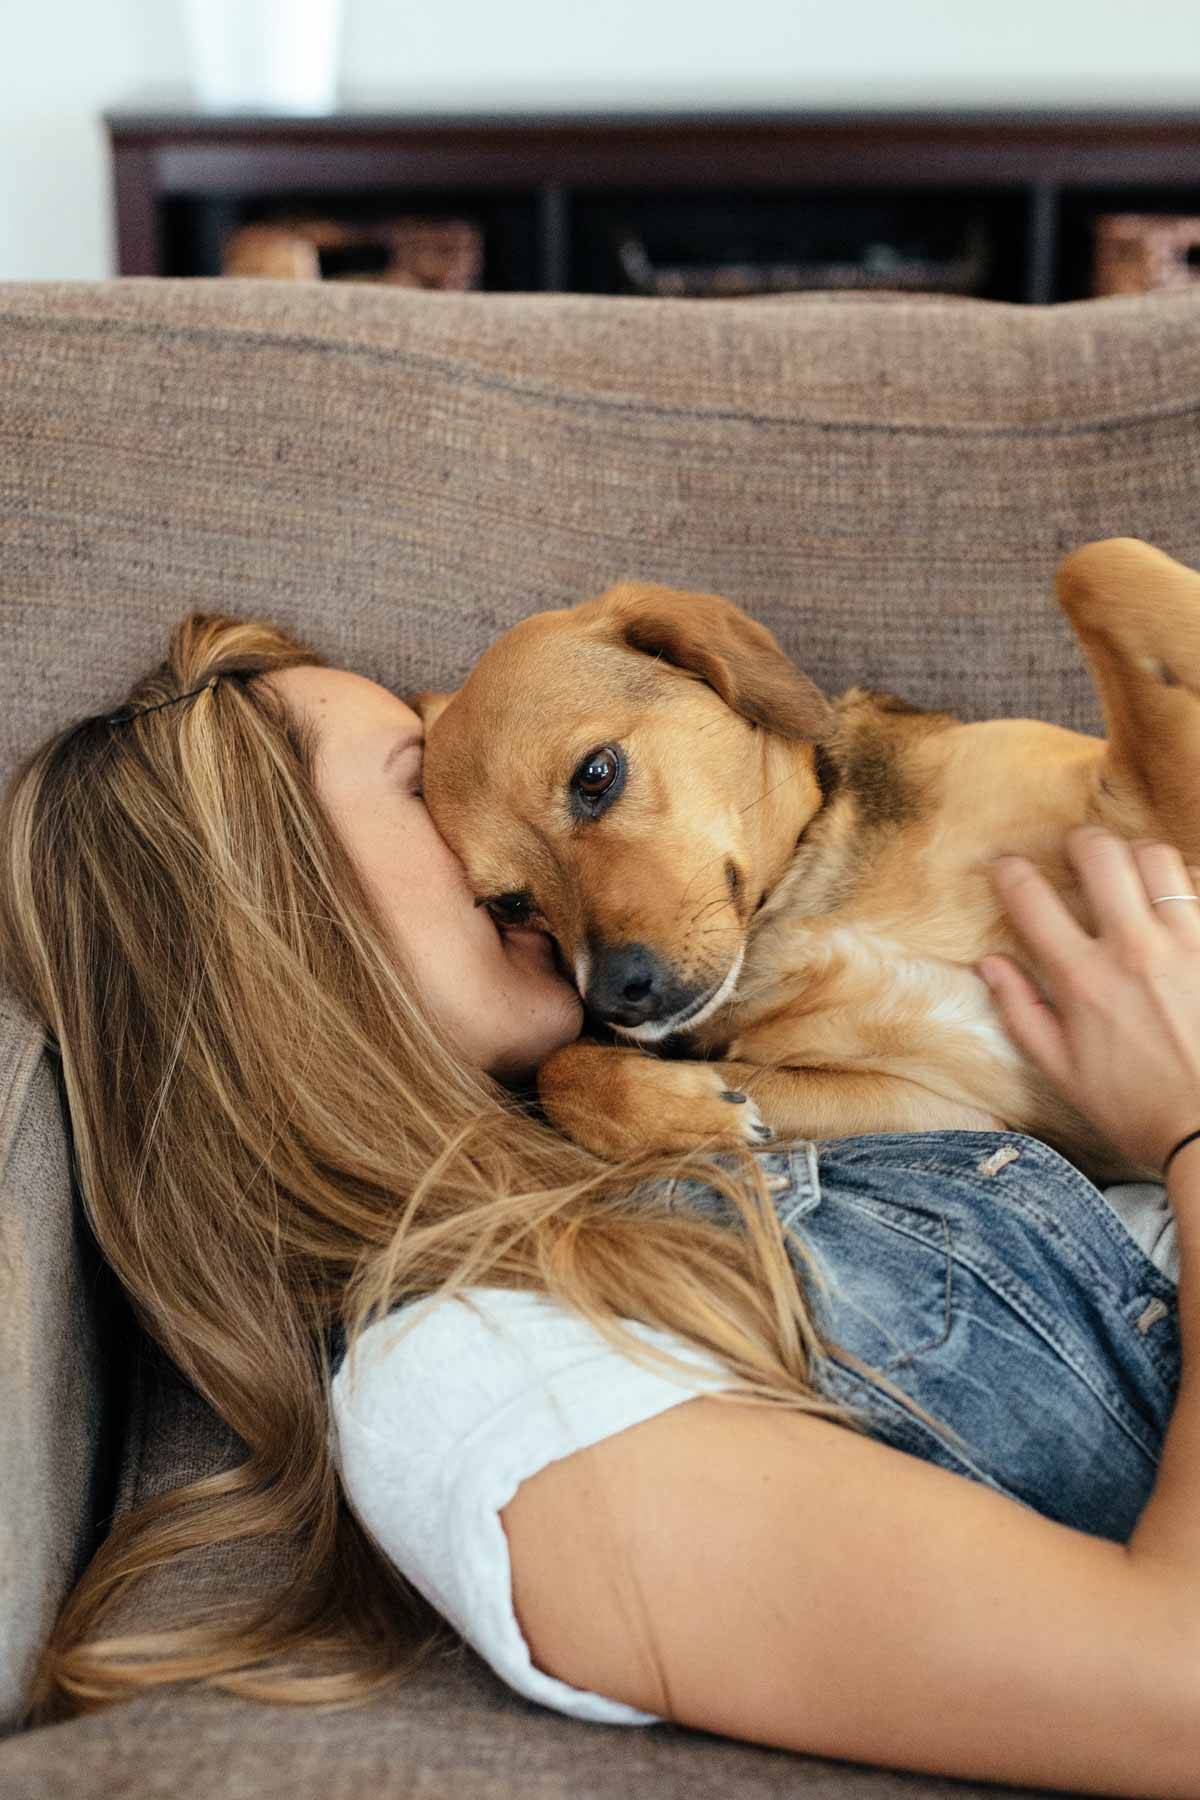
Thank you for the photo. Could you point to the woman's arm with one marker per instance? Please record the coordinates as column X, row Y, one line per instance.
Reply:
column 1168, row 1531
column 774, row 1577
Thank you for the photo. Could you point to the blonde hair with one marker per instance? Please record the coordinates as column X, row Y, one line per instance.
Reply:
column 272, row 1135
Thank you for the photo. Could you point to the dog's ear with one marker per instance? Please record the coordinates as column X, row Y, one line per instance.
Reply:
column 428, row 705
column 716, row 641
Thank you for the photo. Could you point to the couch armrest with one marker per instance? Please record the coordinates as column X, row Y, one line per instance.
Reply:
column 53, row 1300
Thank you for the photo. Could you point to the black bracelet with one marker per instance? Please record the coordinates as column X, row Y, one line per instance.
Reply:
column 1189, row 1139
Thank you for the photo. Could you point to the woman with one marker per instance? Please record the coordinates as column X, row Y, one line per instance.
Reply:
column 639, row 1431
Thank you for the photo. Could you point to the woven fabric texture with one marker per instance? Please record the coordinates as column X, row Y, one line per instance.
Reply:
column 51, row 1406
column 401, row 476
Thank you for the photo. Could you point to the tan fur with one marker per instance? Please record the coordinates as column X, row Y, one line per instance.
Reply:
column 859, row 916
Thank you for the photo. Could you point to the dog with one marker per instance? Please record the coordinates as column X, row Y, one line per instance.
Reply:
column 773, row 903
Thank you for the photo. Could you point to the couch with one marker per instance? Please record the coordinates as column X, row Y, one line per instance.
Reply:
column 888, row 482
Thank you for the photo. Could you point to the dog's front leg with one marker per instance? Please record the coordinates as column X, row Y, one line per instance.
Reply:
column 618, row 1102
column 833, row 1103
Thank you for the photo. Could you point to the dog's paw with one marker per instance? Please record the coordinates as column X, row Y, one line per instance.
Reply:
column 618, row 1102
column 754, row 1128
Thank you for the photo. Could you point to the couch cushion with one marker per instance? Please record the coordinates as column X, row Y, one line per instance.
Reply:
column 51, row 1407
column 887, row 484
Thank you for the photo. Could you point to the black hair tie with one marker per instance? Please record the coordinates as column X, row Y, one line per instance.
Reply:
column 1189, row 1139
column 124, row 714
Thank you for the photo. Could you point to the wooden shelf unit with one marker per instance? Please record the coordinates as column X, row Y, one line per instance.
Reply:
column 551, row 193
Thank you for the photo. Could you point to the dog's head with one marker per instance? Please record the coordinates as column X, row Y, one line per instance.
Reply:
column 632, row 774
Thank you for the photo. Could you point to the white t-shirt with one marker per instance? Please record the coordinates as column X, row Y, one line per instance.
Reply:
column 445, row 1408
column 1145, row 1212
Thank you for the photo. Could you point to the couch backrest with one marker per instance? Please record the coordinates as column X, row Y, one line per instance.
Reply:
column 888, row 484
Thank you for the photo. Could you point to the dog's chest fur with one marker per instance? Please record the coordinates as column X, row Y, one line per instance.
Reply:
column 837, row 990
column 862, row 954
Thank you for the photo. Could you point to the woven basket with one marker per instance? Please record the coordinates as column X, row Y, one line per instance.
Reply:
column 400, row 252
column 1137, row 253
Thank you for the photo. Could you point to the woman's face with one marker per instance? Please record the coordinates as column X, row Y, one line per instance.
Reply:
column 497, row 993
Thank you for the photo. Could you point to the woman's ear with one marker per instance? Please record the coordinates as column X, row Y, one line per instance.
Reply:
column 728, row 650
column 428, row 705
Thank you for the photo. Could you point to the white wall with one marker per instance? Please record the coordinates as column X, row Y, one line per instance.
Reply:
column 63, row 61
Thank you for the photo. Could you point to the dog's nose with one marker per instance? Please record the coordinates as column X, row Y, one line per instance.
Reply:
column 630, row 984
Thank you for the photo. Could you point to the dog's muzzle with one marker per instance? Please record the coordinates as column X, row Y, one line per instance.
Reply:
column 633, row 989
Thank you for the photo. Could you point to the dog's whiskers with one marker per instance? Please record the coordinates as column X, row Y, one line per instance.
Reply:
column 712, row 905
column 698, row 872
column 769, row 792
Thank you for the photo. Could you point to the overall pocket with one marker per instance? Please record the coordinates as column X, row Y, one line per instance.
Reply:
column 1029, row 1355
column 877, row 1267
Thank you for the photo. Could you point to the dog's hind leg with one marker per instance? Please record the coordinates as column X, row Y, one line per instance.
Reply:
column 1136, row 612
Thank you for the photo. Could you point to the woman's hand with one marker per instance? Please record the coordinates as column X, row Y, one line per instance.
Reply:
column 1118, row 1027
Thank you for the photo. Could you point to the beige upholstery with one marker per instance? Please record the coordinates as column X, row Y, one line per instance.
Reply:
column 50, row 1357
column 888, row 483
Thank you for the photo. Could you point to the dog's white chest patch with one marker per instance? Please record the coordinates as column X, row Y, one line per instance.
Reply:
column 877, row 982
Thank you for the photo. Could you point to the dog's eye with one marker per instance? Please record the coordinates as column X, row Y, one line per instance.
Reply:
column 509, row 909
column 596, row 773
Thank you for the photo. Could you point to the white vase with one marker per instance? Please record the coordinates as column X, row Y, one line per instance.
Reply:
column 274, row 54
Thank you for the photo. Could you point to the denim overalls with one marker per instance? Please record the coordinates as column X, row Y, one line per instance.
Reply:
column 987, row 1279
